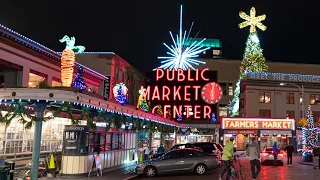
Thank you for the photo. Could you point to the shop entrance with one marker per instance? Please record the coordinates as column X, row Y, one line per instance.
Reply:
column 268, row 137
column 241, row 137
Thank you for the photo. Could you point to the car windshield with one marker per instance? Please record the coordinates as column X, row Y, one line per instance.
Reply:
column 269, row 149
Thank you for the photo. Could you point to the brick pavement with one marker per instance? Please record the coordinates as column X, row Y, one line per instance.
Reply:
column 296, row 172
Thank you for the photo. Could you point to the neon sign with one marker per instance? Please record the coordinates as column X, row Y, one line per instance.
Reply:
column 256, row 123
column 177, row 90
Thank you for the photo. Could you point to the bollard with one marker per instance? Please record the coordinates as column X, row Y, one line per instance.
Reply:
column 11, row 166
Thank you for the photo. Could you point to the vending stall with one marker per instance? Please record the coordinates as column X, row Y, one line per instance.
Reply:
column 268, row 131
column 81, row 144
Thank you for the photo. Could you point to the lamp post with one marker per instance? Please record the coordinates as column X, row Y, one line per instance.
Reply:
column 302, row 108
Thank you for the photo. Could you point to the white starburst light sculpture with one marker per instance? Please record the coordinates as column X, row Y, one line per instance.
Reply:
column 182, row 56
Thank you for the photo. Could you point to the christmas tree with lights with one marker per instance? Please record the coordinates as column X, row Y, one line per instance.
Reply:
column 253, row 60
column 78, row 80
column 309, row 132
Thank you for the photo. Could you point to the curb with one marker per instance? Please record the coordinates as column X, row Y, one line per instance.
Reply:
column 131, row 177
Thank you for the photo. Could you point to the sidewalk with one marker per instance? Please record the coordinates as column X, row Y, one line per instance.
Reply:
column 117, row 174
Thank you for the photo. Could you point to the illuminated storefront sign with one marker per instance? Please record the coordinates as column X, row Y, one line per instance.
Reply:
column 255, row 123
column 240, row 131
column 180, row 91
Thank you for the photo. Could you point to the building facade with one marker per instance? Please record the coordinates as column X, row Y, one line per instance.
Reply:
column 115, row 67
column 280, row 96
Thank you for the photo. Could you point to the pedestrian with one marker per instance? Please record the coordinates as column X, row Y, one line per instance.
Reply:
column 316, row 154
column 160, row 149
column 289, row 149
column 254, row 153
column 146, row 152
column 227, row 158
column 275, row 150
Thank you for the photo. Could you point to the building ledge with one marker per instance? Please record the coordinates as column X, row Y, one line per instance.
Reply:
column 65, row 95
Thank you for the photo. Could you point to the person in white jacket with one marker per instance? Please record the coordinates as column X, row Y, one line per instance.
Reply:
column 254, row 153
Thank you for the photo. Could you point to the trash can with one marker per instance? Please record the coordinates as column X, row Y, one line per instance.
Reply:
column 4, row 173
column 11, row 166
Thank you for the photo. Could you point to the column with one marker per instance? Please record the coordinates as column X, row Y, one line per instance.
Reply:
column 221, row 136
column 25, row 76
column 258, row 135
column 49, row 80
column 294, row 140
column 39, row 113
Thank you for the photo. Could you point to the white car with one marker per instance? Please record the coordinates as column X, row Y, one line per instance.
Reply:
column 267, row 157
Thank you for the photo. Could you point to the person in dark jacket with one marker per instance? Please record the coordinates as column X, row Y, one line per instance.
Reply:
column 289, row 149
column 275, row 150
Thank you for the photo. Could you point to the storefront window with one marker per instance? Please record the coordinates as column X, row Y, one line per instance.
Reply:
column 115, row 141
column 108, row 142
column 56, row 82
column 35, row 78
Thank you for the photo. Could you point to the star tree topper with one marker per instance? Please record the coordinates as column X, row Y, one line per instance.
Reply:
column 252, row 20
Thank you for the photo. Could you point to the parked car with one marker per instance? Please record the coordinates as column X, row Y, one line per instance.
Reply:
column 179, row 160
column 211, row 148
column 268, row 158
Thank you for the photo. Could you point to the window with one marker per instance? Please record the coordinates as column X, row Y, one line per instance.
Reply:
column 314, row 98
column 290, row 98
column 223, row 87
column 230, row 89
column 108, row 142
column 316, row 116
column 189, row 153
column 290, row 114
column 264, row 97
column 172, row 155
column 223, row 111
column 115, row 141
column 263, row 113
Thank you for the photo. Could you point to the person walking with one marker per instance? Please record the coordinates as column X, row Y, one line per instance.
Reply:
column 289, row 149
column 275, row 150
column 146, row 152
column 254, row 154
column 227, row 158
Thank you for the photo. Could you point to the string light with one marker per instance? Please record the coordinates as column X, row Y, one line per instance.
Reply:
column 68, row 59
column 252, row 20
column 78, row 81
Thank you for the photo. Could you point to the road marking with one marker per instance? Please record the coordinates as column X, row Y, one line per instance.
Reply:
column 131, row 177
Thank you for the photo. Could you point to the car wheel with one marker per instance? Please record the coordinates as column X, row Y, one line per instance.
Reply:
column 200, row 169
column 150, row 171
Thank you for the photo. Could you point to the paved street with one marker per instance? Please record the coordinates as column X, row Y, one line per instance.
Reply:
column 296, row 172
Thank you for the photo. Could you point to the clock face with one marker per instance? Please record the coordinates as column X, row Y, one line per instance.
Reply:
column 211, row 93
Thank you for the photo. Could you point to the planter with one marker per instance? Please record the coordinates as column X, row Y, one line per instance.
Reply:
column 307, row 158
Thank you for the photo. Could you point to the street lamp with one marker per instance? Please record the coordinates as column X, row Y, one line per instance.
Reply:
column 302, row 94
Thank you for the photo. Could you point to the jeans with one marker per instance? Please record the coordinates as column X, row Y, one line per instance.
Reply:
column 255, row 164
column 275, row 156
column 289, row 157
column 146, row 157
column 225, row 167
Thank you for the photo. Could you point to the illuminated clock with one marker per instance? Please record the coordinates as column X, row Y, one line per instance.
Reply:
column 211, row 93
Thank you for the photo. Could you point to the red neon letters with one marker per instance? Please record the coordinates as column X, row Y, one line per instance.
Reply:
column 176, row 92
column 180, row 75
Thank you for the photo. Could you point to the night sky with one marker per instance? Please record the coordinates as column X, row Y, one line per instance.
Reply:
column 136, row 29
